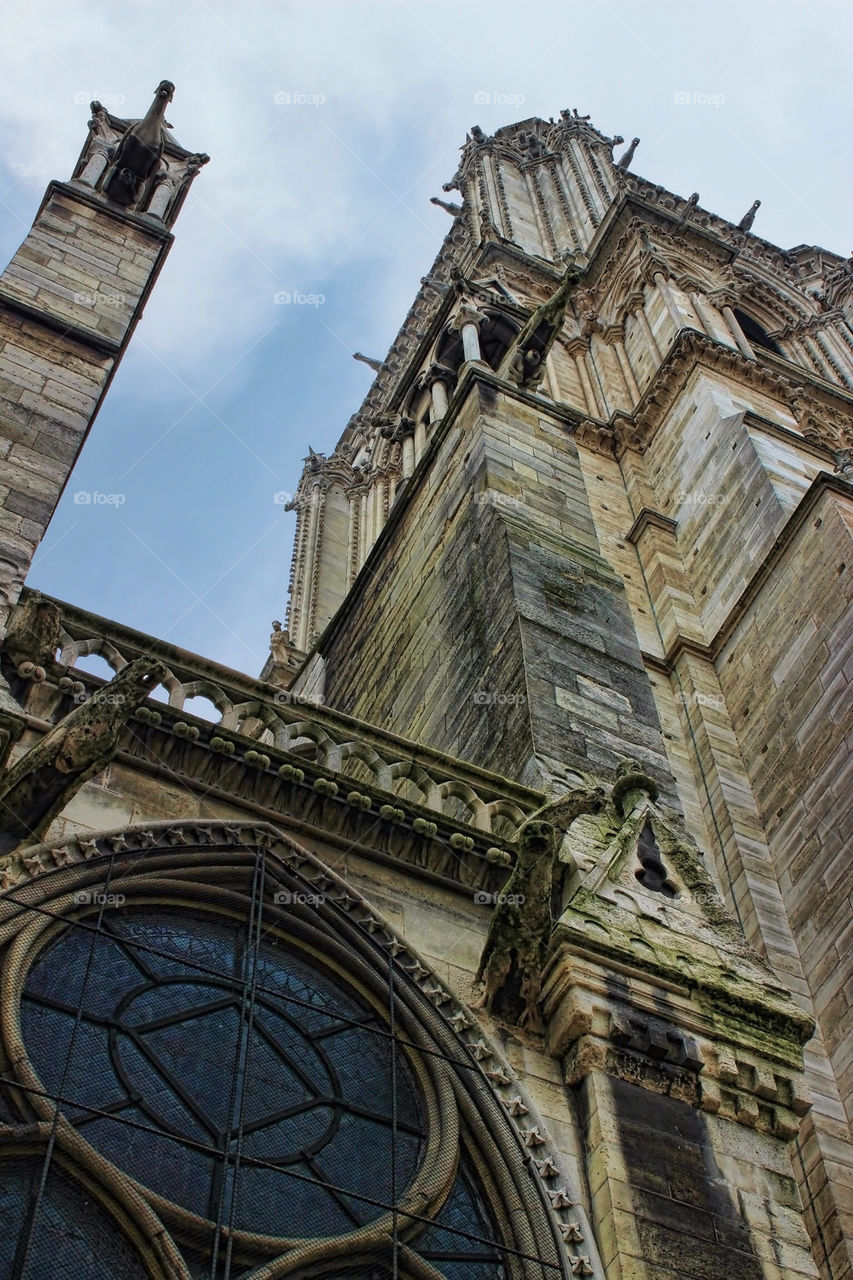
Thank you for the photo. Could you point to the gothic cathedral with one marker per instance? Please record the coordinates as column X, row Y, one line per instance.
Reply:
column 501, row 928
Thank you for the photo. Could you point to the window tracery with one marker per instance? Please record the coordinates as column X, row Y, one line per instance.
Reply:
column 224, row 1065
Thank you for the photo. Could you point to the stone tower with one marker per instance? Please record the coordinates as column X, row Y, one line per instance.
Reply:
column 597, row 504
column 500, row 929
column 69, row 302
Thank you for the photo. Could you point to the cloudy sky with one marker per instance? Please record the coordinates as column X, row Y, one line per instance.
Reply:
column 222, row 390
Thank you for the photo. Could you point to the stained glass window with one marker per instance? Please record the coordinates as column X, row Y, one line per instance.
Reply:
column 249, row 1085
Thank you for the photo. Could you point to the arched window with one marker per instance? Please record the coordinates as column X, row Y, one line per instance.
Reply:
column 241, row 1060
column 756, row 334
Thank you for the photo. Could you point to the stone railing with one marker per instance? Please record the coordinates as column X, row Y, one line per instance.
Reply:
column 272, row 719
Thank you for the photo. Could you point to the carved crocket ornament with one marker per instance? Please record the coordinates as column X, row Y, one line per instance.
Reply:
column 43, row 780
column 517, row 943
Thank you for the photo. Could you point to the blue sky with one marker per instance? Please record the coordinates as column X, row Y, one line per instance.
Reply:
column 222, row 390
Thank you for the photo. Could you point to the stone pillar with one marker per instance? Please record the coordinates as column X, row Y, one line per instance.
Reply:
column 407, row 445
column 832, row 356
column 614, row 337
column 725, row 302
column 699, row 307
column 577, row 349
column 817, row 356
column 684, row 1054
column 69, row 302
column 636, row 304
column 438, row 391
column 669, row 302
column 303, row 634
column 467, row 321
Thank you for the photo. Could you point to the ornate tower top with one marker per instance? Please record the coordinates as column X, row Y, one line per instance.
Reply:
column 137, row 164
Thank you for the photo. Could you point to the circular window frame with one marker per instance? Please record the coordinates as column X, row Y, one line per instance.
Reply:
column 462, row 1112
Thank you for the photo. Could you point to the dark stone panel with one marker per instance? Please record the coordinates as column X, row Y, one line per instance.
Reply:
column 694, row 1228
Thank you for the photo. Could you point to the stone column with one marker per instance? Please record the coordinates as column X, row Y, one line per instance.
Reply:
column 832, row 356
column 467, row 321
column 636, row 305
column 577, row 349
column 725, row 301
column 613, row 336
column 669, row 302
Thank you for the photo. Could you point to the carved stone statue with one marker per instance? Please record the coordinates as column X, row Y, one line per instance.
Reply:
column 477, row 134
column 749, row 217
column 140, row 150
column 517, row 943
column 43, row 780
column 280, row 645
column 100, row 147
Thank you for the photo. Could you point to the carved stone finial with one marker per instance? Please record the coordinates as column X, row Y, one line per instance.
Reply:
column 43, row 780
column 624, row 160
column 517, row 942
column 749, row 217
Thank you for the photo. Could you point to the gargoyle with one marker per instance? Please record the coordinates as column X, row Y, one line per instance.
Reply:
column 749, row 217
column 517, row 943
column 624, row 161
column 140, row 150
column 43, row 780
column 33, row 635
column 539, row 333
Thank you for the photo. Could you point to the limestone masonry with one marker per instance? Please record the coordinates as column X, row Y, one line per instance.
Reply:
column 548, row 770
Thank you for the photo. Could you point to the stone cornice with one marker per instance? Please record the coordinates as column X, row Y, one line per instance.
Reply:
column 66, row 329
column 153, row 227
column 825, row 404
column 647, row 519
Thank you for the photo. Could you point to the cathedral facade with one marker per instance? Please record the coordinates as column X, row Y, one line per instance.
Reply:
column 501, row 928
